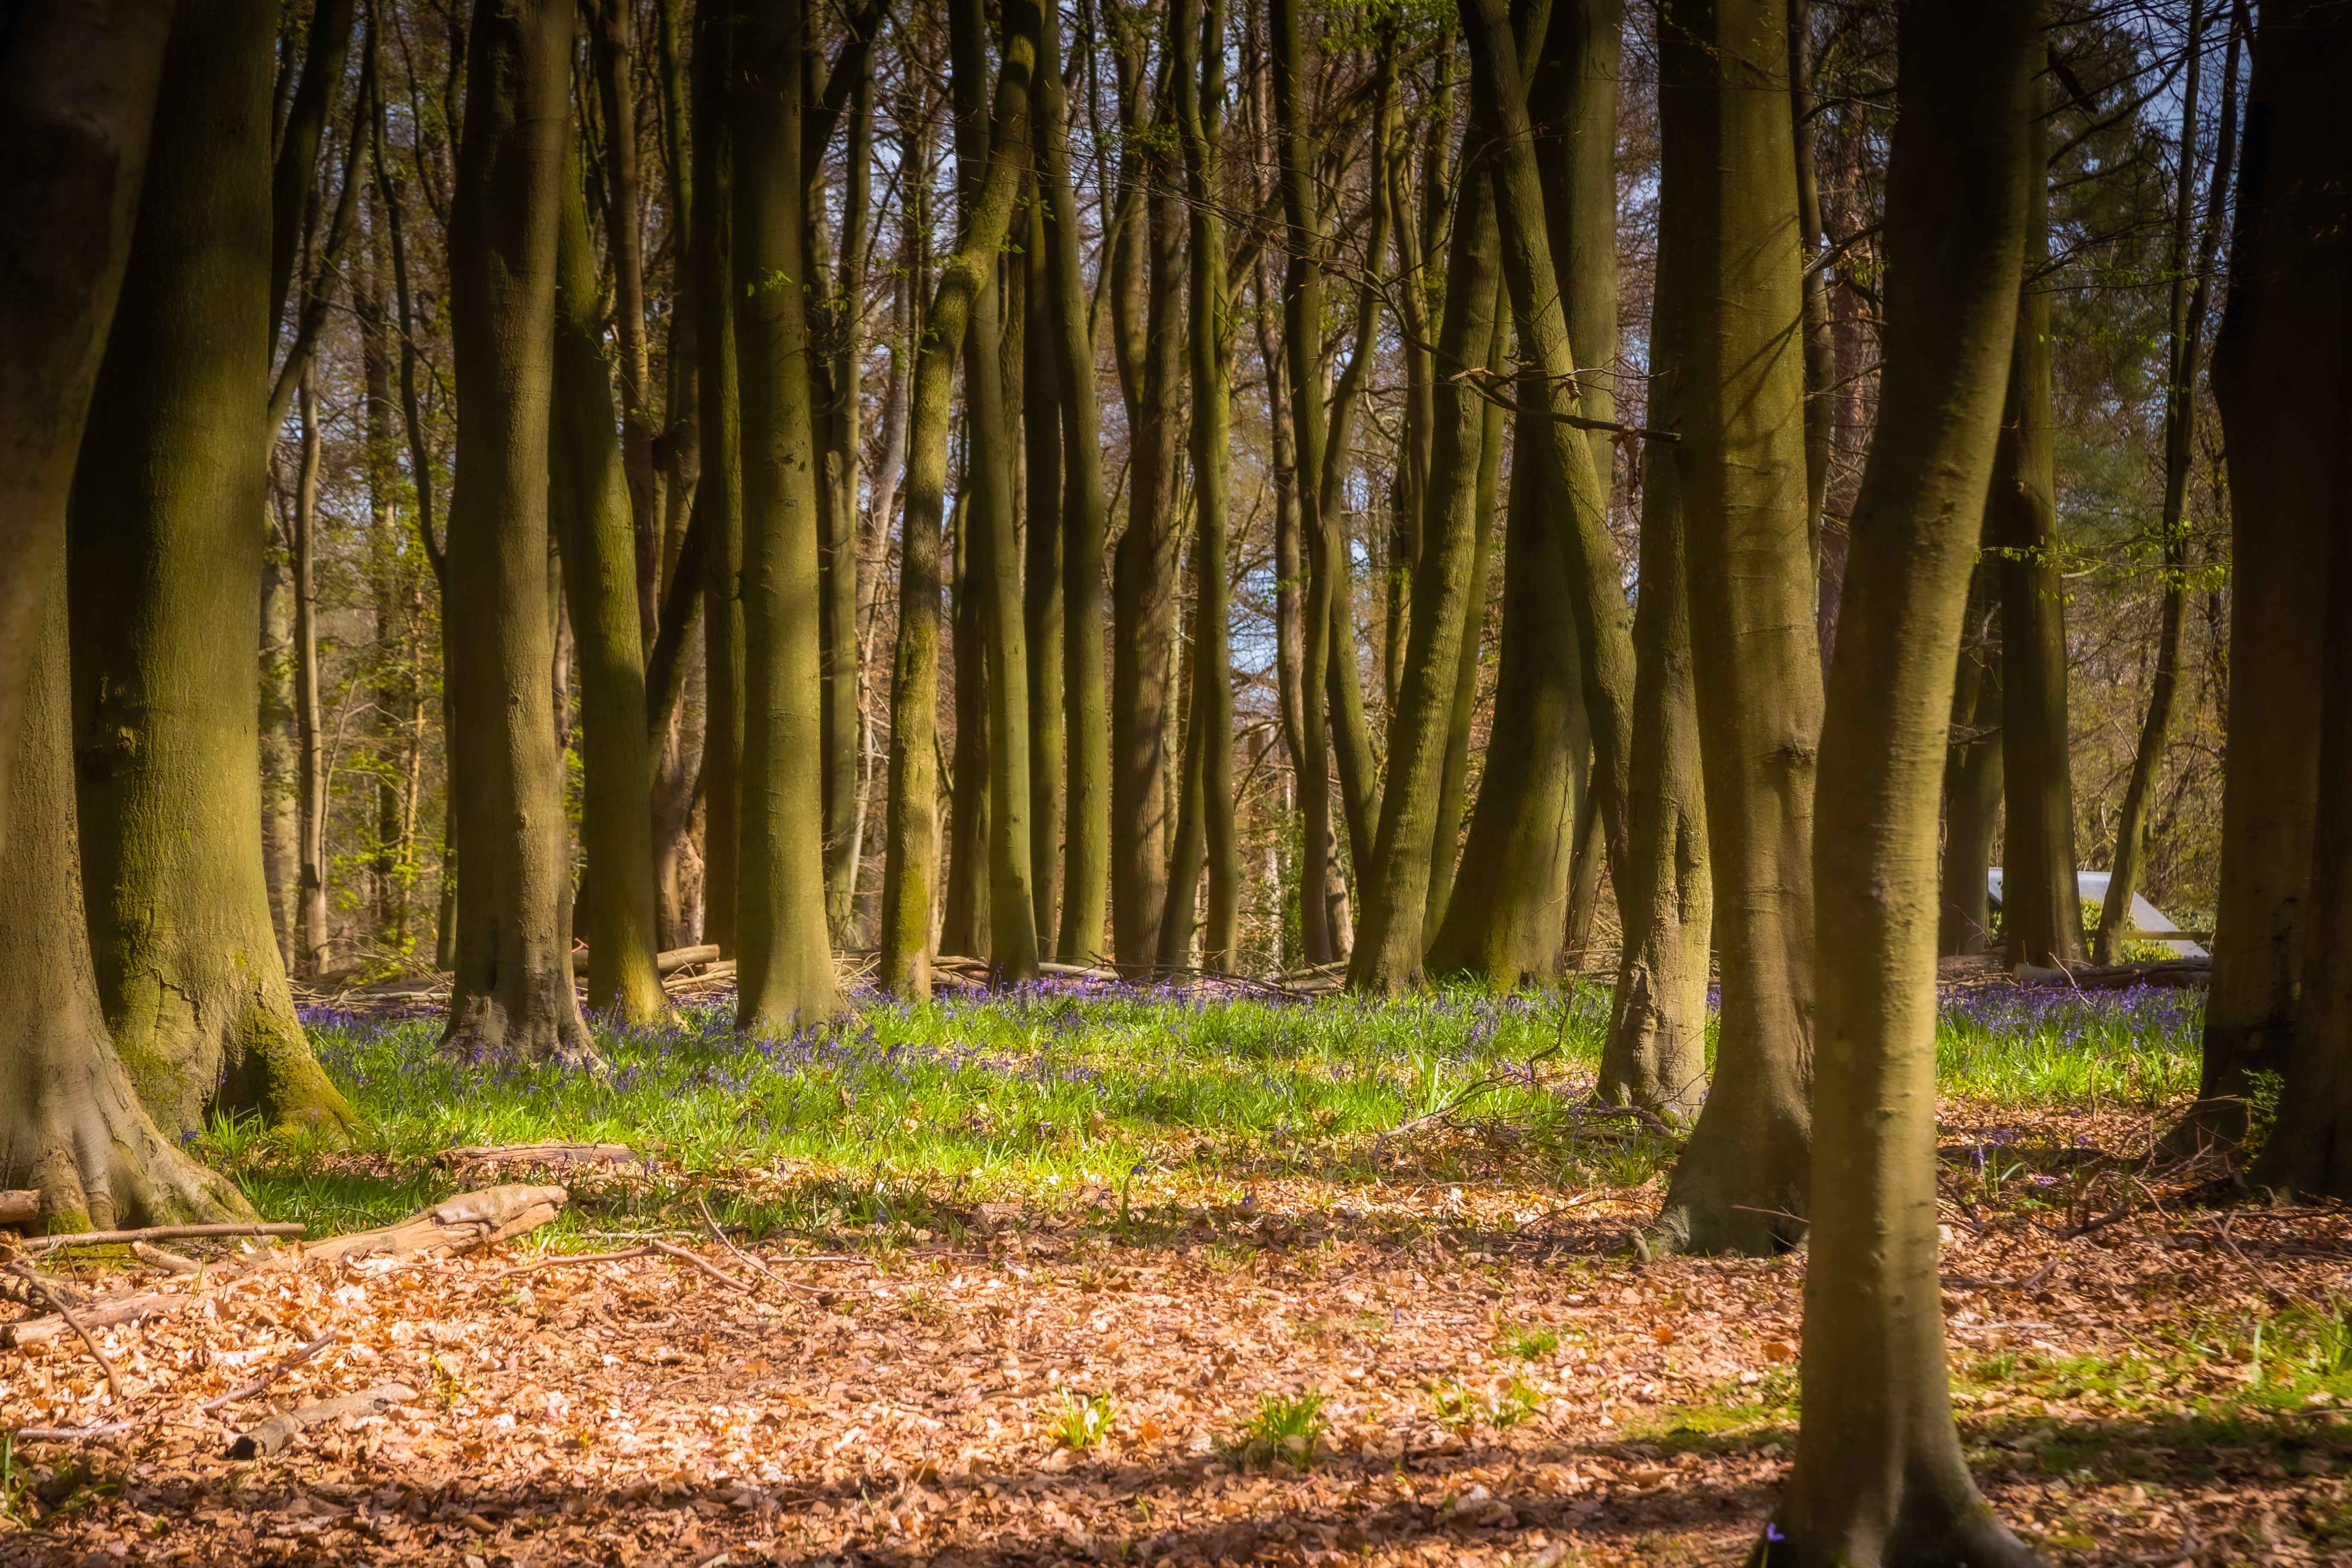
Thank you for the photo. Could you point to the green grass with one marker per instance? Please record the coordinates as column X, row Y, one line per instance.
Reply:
column 1080, row 1420
column 1285, row 1427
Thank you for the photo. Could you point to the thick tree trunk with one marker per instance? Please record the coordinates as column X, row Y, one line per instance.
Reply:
column 597, row 542
column 513, row 992
column 78, row 88
column 785, row 975
column 1656, row 1050
column 1972, row 773
column 911, row 863
column 1143, row 589
column 164, row 562
column 2041, row 899
column 719, row 492
column 1880, row 1476
column 1757, row 672
column 1084, row 518
column 2189, row 301
column 2277, row 1001
column 71, row 1123
column 1389, row 947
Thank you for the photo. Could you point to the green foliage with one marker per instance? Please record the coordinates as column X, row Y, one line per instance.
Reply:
column 1529, row 1343
column 1463, row 1407
column 1285, row 1427
column 1080, row 1420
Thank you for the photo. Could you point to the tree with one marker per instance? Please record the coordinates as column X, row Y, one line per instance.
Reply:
column 596, row 538
column 718, row 491
column 785, row 963
column 2041, row 901
column 1972, row 773
column 164, row 545
column 911, row 862
column 2279, row 1001
column 1879, row 1476
column 513, row 995
column 1757, row 673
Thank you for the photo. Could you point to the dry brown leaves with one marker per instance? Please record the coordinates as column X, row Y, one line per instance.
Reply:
column 639, row 1413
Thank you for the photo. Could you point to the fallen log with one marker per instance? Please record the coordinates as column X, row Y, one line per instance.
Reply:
column 668, row 962
column 158, row 1233
column 20, row 1208
column 460, row 1225
column 279, row 1430
column 2181, row 973
column 538, row 1154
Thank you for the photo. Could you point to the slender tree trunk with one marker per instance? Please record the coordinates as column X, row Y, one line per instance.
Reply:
column 77, row 82
column 841, row 425
column 1351, row 734
column 964, row 907
column 911, row 863
column 1880, row 1476
column 165, row 562
column 719, row 493
column 2189, row 300
column 993, row 569
column 786, row 975
column 1041, row 577
column 281, row 816
column 2276, row 1003
column 71, row 1123
column 597, row 541
column 1756, row 671
column 1972, row 773
column 310, row 746
column 1084, row 523
column 2040, row 901
column 1389, row 949
column 610, row 46
column 513, row 993
column 1657, row 1051
column 1821, row 348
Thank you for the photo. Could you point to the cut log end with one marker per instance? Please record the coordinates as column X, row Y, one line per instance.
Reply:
column 20, row 1208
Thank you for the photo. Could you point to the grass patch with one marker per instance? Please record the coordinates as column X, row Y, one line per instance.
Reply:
column 1080, row 1420
column 1285, row 1427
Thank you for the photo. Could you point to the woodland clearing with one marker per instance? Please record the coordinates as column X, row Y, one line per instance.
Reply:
column 1126, row 1339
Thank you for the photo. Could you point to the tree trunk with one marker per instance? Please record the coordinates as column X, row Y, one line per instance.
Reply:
column 2277, row 1002
column 1757, row 672
column 2041, row 901
column 1972, row 773
column 1657, row 1051
column 719, row 493
column 1879, row 1476
column 281, row 816
column 1084, row 520
column 964, row 907
column 785, row 975
column 1040, row 578
column 841, row 425
column 1390, row 946
column 911, row 861
column 1821, row 346
column 310, row 745
column 164, row 562
column 597, row 542
column 1143, row 589
column 2180, row 430
column 78, row 88
column 72, row 1125
column 513, row 991
column 609, row 48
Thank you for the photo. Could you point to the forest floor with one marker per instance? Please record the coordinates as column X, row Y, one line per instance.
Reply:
column 1191, row 1291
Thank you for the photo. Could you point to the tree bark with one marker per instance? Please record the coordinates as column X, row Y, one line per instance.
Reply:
column 78, row 88
column 911, row 861
column 784, row 975
column 513, row 992
column 72, row 1125
column 719, row 493
column 1879, row 1476
column 963, row 906
column 2277, row 1001
column 610, row 44
column 1972, row 773
column 597, row 542
column 310, row 747
column 2041, row 899
column 164, row 562
column 1756, row 672
column 1042, row 571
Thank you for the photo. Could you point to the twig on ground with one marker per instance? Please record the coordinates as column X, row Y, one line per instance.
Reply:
column 702, row 1263
column 1776, row 1214
column 285, row 1365
column 716, row 1230
column 170, row 1262
column 572, row 1257
column 158, row 1233
column 57, row 1299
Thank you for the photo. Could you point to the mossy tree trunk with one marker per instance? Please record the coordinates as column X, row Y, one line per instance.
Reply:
column 2041, row 899
column 1880, row 1476
column 1728, row 159
column 910, row 866
column 164, row 560
column 2279, row 1001
column 718, row 491
column 598, row 541
column 513, row 992
column 785, row 975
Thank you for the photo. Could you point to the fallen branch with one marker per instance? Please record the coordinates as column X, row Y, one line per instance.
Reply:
column 460, row 1225
column 170, row 1262
column 102, row 1315
column 57, row 1299
column 539, row 1154
column 285, row 1365
column 573, row 1258
column 704, row 1263
column 279, row 1430
column 158, row 1233
column 20, row 1206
